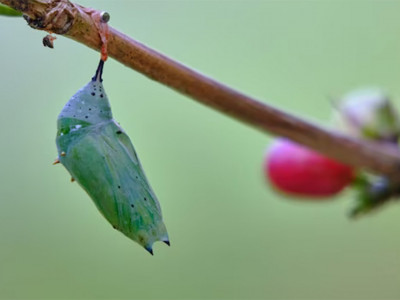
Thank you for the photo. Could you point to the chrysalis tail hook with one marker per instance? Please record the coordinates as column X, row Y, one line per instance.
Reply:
column 99, row 72
column 100, row 20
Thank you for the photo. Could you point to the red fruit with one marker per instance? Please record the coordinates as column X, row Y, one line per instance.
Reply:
column 297, row 170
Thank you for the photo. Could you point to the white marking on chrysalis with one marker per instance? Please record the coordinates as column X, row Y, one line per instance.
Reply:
column 76, row 127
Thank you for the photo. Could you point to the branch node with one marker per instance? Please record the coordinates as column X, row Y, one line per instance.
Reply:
column 58, row 17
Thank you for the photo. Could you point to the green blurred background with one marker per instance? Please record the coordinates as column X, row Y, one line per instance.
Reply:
column 232, row 237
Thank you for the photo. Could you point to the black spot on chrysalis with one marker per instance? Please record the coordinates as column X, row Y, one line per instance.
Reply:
column 118, row 132
column 141, row 238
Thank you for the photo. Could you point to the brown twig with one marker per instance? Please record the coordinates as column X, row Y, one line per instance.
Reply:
column 75, row 22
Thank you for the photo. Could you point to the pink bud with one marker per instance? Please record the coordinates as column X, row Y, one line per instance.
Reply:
column 297, row 170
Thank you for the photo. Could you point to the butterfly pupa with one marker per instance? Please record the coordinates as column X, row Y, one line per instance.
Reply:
column 100, row 157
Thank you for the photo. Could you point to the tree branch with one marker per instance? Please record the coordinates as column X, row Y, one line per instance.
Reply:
column 75, row 22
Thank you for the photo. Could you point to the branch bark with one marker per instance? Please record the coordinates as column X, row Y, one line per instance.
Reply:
column 75, row 22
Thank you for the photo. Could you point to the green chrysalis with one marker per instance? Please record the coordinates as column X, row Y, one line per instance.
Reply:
column 101, row 158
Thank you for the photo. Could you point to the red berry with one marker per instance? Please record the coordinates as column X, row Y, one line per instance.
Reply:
column 297, row 170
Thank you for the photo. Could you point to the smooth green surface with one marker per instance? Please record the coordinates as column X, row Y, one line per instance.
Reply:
column 102, row 160
column 231, row 236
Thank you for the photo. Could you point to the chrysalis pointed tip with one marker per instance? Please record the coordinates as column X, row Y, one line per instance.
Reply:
column 167, row 242
column 99, row 72
column 56, row 161
column 149, row 249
